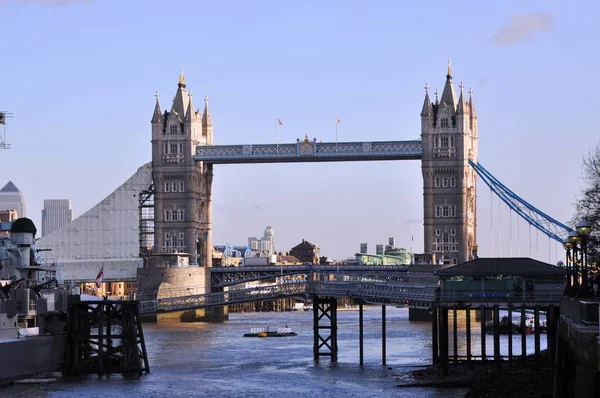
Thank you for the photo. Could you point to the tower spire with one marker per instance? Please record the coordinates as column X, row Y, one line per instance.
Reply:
column 448, row 94
column 181, row 77
column 472, row 105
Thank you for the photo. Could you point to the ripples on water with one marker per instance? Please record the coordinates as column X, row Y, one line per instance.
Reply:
column 214, row 360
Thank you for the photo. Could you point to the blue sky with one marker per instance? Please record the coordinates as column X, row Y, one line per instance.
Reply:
column 80, row 77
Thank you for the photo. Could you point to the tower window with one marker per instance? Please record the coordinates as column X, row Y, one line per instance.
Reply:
column 173, row 129
column 453, row 232
column 436, row 182
column 444, row 122
column 181, row 214
column 437, row 232
column 452, row 181
column 180, row 148
column 445, row 181
column 444, row 142
column 167, row 186
column 173, row 148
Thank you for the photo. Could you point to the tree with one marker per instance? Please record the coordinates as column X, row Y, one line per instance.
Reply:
column 587, row 206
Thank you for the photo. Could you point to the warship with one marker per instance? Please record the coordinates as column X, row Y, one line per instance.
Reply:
column 33, row 306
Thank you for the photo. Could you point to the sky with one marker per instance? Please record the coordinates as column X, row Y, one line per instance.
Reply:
column 80, row 78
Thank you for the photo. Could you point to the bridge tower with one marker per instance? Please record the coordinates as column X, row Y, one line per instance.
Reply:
column 182, row 206
column 182, row 187
column 449, row 137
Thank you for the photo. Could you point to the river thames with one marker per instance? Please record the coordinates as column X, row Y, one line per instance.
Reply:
column 215, row 360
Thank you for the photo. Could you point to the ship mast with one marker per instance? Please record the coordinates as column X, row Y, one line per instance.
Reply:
column 3, row 116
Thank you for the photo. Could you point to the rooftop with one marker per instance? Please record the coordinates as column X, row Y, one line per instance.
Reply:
column 10, row 187
column 517, row 266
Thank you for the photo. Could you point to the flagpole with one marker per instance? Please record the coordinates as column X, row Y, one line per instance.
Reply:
column 277, row 139
column 336, row 124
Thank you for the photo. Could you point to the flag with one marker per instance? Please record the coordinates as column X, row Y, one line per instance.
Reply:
column 337, row 120
column 100, row 277
column 279, row 122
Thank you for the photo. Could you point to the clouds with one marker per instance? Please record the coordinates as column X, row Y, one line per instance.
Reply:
column 523, row 27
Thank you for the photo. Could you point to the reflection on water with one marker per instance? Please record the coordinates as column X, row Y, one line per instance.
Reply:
column 202, row 359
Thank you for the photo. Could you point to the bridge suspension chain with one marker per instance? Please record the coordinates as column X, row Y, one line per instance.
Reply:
column 535, row 217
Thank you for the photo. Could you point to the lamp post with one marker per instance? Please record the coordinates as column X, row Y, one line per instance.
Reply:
column 568, row 245
column 584, row 229
column 574, row 240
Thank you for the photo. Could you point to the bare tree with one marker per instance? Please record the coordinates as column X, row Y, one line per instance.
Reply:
column 587, row 206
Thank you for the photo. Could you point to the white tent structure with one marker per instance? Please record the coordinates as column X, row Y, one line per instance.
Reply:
column 106, row 236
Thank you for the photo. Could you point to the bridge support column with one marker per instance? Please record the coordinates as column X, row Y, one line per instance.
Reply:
column 325, row 309
column 435, row 355
column 455, row 333
column 383, row 335
column 468, row 326
column 510, row 335
column 360, row 335
column 482, row 319
column 536, row 320
column 523, row 335
column 497, row 356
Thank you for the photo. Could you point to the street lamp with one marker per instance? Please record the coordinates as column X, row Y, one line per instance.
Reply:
column 574, row 240
column 568, row 245
column 584, row 229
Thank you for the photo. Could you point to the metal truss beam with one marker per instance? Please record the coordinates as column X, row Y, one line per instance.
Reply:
column 540, row 220
column 310, row 151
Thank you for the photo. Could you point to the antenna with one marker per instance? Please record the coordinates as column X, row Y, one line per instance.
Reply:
column 3, row 117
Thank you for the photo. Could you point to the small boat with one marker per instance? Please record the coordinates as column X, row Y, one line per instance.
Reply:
column 262, row 332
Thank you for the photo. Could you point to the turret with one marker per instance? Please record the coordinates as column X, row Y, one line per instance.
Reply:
column 427, row 111
column 207, row 126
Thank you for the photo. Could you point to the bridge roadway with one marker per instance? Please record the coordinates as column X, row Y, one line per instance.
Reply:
column 310, row 151
column 228, row 276
column 399, row 293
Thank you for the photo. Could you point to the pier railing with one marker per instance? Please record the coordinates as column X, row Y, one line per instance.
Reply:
column 398, row 293
column 538, row 296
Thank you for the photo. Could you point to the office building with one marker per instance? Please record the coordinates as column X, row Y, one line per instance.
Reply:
column 55, row 214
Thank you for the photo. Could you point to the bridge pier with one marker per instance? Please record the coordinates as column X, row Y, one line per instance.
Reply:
column 166, row 282
column 325, row 309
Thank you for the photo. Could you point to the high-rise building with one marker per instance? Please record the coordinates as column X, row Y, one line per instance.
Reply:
column 12, row 199
column 364, row 248
column 449, row 135
column 266, row 244
column 55, row 214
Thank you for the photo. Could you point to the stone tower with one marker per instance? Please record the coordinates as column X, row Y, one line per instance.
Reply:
column 182, row 187
column 449, row 137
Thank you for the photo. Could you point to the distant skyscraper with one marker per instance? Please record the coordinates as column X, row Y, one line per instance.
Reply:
column 56, row 213
column 12, row 199
column 266, row 244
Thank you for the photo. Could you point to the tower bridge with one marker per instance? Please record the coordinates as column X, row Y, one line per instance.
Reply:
column 184, row 155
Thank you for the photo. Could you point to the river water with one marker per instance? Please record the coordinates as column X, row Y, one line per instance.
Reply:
column 214, row 360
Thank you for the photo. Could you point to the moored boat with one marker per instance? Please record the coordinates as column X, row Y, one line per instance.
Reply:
column 265, row 332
